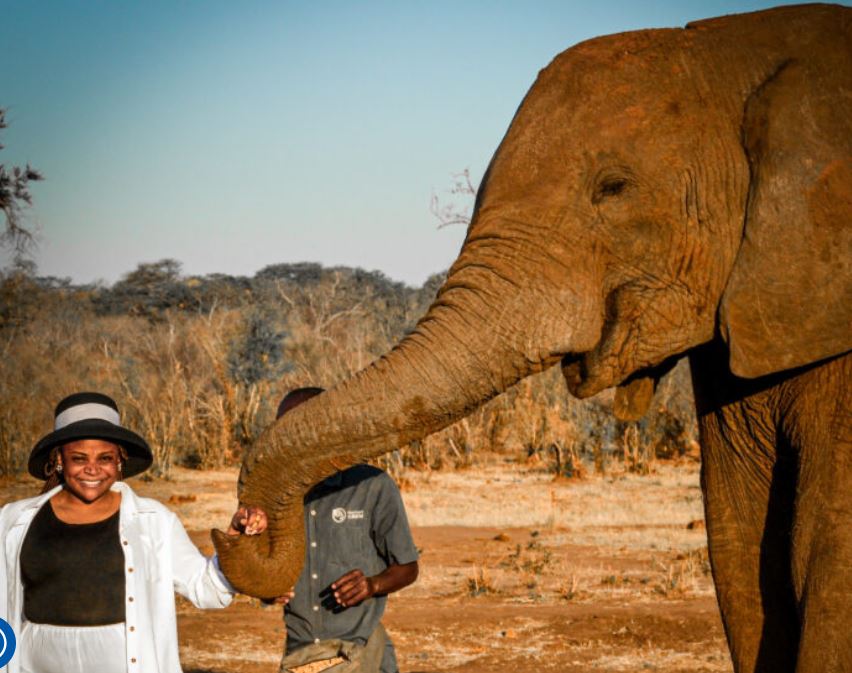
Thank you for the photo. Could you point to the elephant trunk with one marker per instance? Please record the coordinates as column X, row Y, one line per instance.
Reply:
column 467, row 349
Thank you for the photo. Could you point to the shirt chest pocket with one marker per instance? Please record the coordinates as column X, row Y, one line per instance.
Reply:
column 348, row 543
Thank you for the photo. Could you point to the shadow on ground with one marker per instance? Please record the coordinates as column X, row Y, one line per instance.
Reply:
column 218, row 670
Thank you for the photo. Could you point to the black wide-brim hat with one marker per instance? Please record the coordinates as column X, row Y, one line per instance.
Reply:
column 90, row 416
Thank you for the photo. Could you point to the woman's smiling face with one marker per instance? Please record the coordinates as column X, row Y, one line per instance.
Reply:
column 90, row 467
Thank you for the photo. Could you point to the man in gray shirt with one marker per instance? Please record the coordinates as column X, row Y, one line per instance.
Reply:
column 358, row 550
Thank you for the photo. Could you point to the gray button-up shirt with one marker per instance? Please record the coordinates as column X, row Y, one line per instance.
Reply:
column 354, row 519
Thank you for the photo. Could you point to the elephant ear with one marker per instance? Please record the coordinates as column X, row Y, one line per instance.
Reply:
column 788, row 301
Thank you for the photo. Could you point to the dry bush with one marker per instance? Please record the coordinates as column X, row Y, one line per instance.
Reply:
column 530, row 562
column 199, row 386
column 681, row 576
column 480, row 583
column 570, row 589
column 170, row 377
column 331, row 338
column 537, row 422
column 528, row 420
column 199, row 364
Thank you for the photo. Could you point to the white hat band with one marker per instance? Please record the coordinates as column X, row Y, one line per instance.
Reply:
column 86, row 412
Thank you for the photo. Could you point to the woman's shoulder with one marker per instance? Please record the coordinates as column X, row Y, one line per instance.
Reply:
column 10, row 512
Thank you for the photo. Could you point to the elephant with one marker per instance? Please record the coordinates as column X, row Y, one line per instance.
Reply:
column 658, row 194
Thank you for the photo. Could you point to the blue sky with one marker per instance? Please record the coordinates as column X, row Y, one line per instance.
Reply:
column 233, row 135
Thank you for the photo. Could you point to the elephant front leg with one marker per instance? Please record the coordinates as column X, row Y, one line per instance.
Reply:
column 749, row 554
column 818, row 424
column 748, row 496
column 823, row 577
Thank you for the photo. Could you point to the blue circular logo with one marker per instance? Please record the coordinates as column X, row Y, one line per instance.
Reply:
column 7, row 642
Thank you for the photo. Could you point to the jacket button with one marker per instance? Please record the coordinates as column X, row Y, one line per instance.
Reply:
column 130, row 570
column 124, row 542
column 130, row 599
column 132, row 660
column 132, row 628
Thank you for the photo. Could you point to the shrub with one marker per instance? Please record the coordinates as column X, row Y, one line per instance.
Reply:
column 201, row 385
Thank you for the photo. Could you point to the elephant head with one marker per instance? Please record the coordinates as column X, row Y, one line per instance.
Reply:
column 656, row 190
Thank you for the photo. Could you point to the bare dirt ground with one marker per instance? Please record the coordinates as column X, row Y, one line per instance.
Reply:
column 518, row 572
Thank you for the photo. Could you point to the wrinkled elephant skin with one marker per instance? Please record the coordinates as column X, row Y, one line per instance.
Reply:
column 658, row 193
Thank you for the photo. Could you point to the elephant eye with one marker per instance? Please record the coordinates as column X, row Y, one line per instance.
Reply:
column 609, row 187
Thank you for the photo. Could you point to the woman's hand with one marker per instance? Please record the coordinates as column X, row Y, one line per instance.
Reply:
column 281, row 600
column 248, row 521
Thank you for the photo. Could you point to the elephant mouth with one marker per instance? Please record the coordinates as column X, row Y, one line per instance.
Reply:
column 611, row 360
column 576, row 374
column 586, row 373
column 633, row 396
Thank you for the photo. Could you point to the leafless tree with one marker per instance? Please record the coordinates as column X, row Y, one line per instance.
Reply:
column 14, row 197
column 460, row 207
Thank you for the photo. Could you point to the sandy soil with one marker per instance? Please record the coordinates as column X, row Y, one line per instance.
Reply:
column 517, row 570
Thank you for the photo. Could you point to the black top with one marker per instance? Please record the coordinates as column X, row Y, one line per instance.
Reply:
column 73, row 574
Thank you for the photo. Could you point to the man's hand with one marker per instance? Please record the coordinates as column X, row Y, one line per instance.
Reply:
column 248, row 521
column 353, row 588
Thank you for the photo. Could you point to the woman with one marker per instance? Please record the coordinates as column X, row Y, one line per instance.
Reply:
column 89, row 569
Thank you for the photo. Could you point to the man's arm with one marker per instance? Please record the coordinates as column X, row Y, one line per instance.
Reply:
column 355, row 587
column 391, row 536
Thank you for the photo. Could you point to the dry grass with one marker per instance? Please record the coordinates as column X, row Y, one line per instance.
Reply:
column 534, row 519
column 175, row 378
column 656, row 659
column 169, row 379
column 644, row 511
column 201, row 386
column 479, row 583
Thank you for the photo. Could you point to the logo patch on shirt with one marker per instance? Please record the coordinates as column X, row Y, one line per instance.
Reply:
column 339, row 515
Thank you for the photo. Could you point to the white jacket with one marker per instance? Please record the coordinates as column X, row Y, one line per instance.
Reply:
column 159, row 560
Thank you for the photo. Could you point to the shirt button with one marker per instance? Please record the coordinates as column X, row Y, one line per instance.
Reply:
column 132, row 628
column 316, row 608
column 314, row 576
column 132, row 660
column 316, row 640
column 313, row 512
column 130, row 570
column 313, row 544
column 130, row 599
column 124, row 542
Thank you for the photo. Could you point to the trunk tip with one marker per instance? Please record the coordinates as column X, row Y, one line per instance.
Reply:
column 250, row 567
